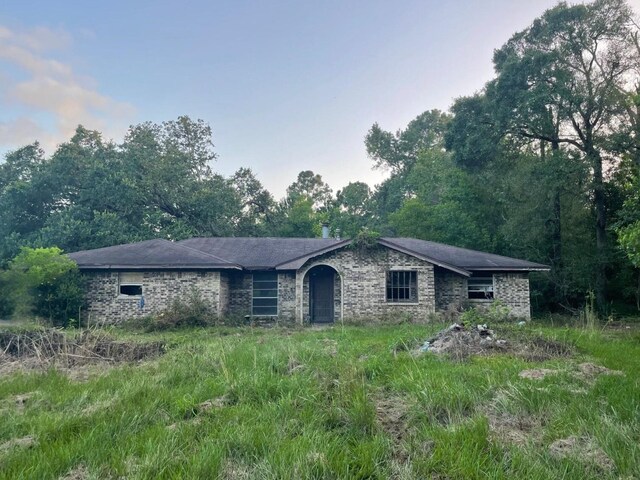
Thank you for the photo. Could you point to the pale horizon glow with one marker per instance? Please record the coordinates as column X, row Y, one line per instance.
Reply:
column 286, row 86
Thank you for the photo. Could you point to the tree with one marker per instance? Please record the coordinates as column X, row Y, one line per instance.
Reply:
column 177, row 195
column 352, row 209
column 26, row 198
column 309, row 185
column 399, row 152
column 48, row 282
column 443, row 204
column 559, row 80
column 299, row 220
column 257, row 204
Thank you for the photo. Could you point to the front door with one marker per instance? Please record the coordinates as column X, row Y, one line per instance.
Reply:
column 321, row 286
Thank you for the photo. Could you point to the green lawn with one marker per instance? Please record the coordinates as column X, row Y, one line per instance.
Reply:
column 347, row 402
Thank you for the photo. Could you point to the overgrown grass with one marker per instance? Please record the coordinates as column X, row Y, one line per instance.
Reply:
column 348, row 402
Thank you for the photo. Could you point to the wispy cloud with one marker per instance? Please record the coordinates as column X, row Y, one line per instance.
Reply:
column 46, row 86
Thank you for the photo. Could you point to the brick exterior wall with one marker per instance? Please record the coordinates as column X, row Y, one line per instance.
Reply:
column 513, row 290
column 240, row 291
column 286, row 296
column 363, row 284
column 106, row 306
column 359, row 289
column 223, row 300
column 451, row 289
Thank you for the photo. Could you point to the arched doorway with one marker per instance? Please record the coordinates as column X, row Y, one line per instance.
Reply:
column 322, row 283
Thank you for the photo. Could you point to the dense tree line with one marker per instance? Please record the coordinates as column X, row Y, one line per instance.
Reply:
column 543, row 164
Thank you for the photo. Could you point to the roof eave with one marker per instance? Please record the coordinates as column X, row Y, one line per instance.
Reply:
column 511, row 269
column 158, row 267
column 407, row 251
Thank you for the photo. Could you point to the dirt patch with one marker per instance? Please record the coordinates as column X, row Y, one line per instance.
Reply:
column 391, row 414
column 590, row 371
column 23, row 442
column 232, row 470
column 537, row 373
column 514, row 429
column 19, row 402
column 81, row 472
column 97, row 407
column 582, row 448
column 46, row 348
column 213, row 404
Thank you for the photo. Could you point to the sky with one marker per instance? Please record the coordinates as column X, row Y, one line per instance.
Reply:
column 285, row 85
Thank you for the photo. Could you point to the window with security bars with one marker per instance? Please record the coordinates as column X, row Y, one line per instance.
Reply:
column 265, row 294
column 480, row 288
column 402, row 286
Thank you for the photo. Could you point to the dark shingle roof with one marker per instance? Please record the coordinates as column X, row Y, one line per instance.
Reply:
column 462, row 257
column 279, row 253
column 264, row 252
column 148, row 254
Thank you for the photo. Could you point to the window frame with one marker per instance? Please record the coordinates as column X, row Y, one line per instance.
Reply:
column 488, row 289
column 409, row 284
column 135, row 280
column 254, row 297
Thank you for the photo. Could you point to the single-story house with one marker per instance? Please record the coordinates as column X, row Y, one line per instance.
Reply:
column 306, row 280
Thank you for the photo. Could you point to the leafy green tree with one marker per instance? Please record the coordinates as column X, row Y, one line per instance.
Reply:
column 310, row 186
column 352, row 210
column 398, row 152
column 300, row 220
column 443, row 204
column 177, row 194
column 257, row 210
column 45, row 280
column 26, row 198
column 560, row 80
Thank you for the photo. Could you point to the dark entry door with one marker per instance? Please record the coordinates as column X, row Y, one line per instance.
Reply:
column 321, row 295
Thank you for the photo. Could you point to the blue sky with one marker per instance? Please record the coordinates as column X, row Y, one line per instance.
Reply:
column 286, row 85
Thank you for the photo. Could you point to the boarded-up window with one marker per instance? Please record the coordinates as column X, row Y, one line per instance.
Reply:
column 480, row 288
column 130, row 284
column 402, row 286
column 265, row 294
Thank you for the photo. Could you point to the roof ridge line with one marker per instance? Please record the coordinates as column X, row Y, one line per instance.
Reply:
column 203, row 253
column 315, row 252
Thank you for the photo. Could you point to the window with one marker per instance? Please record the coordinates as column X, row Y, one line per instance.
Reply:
column 265, row 294
column 402, row 287
column 130, row 284
column 480, row 288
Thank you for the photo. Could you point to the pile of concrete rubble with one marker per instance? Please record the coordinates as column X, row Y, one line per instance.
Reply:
column 460, row 340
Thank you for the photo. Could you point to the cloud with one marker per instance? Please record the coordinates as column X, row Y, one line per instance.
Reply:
column 47, row 88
